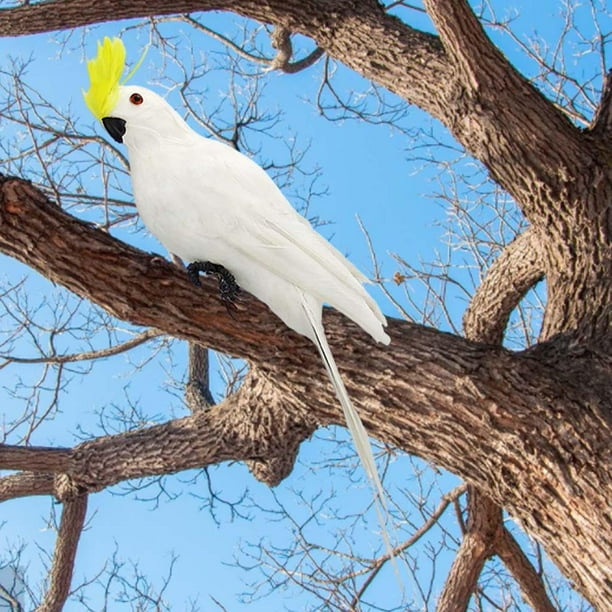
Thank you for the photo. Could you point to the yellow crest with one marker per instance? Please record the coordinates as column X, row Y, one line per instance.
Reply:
column 105, row 72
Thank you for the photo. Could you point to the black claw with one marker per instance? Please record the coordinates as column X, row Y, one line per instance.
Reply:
column 193, row 272
column 228, row 287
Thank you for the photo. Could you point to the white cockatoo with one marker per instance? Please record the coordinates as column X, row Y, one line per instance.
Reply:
column 210, row 204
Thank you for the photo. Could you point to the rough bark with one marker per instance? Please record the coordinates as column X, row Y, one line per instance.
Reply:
column 478, row 544
column 513, row 273
column 533, row 435
column 531, row 431
column 559, row 175
column 71, row 525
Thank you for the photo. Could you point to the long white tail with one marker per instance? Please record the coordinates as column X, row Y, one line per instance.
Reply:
column 353, row 421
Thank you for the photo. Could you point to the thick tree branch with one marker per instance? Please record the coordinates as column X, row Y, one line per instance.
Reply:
column 513, row 273
column 33, row 458
column 479, row 411
column 238, row 429
column 479, row 61
column 61, row 14
column 523, row 131
column 25, row 484
column 69, row 240
column 71, row 527
column 519, row 267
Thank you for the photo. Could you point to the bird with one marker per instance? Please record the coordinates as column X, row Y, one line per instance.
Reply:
column 218, row 210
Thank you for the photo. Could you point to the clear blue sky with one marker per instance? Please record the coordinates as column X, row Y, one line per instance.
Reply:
column 366, row 171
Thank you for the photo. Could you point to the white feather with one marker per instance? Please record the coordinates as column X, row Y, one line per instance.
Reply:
column 205, row 201
column 351, row 416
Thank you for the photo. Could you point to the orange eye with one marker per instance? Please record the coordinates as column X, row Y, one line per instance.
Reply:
column 136, row 99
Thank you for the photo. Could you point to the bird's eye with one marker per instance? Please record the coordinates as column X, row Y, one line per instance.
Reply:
column 136, row 99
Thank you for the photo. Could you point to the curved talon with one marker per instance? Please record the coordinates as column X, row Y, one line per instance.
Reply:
column 228, row 287
column 193, row 272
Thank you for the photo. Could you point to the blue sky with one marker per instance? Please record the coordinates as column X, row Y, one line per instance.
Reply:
column 367, row 172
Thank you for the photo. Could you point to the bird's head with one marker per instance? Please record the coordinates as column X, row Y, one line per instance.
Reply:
column 133, row 112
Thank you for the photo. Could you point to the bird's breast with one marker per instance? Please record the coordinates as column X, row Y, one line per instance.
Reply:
column 179, row 204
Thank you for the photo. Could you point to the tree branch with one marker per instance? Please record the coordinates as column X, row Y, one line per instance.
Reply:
column 512, row 274
column 197, row 390
column 445, row 501
column 137, row 340
column 601, row 126
column 71, row 527
column 505, row 120
column 33, row 458
column 25, row 484
column 380, row 46
column 476, row 410
column 149, row 291
column 238, row 429
column 477, row 546
column 529, row 581
column 281, row 41
column 519, row 267
column 480, row 62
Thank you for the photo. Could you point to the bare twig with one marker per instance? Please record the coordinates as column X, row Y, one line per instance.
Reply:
column 86, row 355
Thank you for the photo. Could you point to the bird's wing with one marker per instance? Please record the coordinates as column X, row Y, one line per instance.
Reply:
column 269, row 230
column 267, row 222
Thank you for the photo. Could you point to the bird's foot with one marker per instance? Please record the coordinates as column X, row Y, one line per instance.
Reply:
column 228, row 287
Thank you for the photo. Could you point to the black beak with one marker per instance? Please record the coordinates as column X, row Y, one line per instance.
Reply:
column 115, row 127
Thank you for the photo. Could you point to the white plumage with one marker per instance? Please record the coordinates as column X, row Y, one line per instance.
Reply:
column 205, row 201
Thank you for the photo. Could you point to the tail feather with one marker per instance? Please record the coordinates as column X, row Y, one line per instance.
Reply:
column 353, row 421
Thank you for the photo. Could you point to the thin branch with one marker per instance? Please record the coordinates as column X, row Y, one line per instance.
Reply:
column 87, row 355
column 378, row 275
column 445, row 501
column 528, row 579
column 230, row 44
